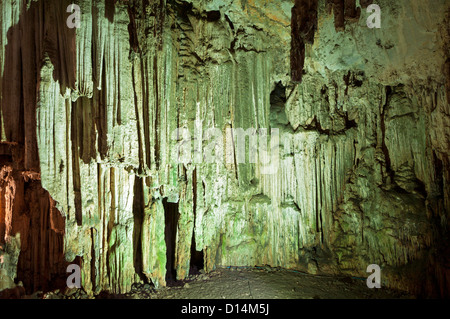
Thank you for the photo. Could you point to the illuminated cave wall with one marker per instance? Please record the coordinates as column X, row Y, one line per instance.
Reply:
column 89, row 117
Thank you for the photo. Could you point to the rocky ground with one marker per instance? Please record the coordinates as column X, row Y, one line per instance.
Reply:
column 245, row 283
column 94, row 171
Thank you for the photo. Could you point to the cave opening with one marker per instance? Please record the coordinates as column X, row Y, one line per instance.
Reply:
column 277, row 106
column 212, row 16
column 278, row 95
column 171, row 217
column 196, row 263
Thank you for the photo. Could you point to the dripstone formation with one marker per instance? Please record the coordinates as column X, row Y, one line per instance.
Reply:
column 89, row 141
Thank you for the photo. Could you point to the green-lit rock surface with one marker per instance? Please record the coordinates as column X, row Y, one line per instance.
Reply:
column 364, row 137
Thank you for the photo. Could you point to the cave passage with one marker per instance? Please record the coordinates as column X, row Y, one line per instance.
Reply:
column 171, row 216
column 196, row 258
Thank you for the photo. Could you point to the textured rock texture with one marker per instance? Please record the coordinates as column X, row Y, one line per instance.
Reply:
column 92, row 113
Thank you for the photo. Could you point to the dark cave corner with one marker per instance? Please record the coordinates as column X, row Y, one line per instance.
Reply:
column 278, row 118
column 197, row 259
column 171, row 217
column 138, row 217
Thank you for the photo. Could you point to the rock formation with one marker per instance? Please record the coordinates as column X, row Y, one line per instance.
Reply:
column 92, row 120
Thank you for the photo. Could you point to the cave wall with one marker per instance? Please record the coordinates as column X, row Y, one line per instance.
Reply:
column 31, row 227
column 363, row 119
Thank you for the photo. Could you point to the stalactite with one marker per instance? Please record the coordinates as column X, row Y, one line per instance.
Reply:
column 303, row 26
column 345, row 10
column 89, row 118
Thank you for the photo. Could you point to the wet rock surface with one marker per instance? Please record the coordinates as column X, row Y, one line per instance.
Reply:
column 89, row 159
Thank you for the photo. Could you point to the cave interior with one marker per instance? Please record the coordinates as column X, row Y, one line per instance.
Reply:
column 150, row 142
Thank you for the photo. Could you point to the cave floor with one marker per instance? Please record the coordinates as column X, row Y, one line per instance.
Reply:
column 254, row 283
column 244, row 283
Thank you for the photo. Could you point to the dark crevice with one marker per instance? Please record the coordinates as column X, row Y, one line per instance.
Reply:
column 384, row 148
column 233, row 145
column 347, row 82
column 365, row 3
column 324, row 94
column 184, row 9
column 278, row 100
column 110, row 10
column 212, row 16
column 138, row 217
column 196, row 262
column 316, row 195
column 230, row 23
column 160, row 10
column 447, row 77
column 296, row 206
column 204, row 191
column 438, row 174
column 171, row 217
column 278, row 95
column 243, row 48
column 146, row 115
column 100, row 115
column 351, row 79
column 232, row 46
column 349, row 123
column 319, row 194
column 338, row 10
column 303, row 27
column 343, row 10
column 132, row 30
column 351, row 12
column 316, row 126
column 74, row 136
column 138, row 122
column 157, row 111
column 198, row 57
column 396, row 188
column 5, row 159
column 421, row 188
column 93, row 258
